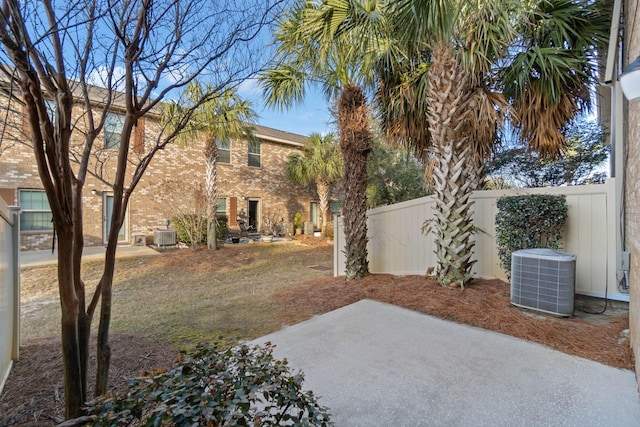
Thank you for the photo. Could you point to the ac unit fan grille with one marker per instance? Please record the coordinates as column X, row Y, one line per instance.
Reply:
column 164, row 237
column 543, row 280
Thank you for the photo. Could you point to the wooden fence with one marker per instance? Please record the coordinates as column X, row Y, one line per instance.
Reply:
column 9, row 289
column 397, row 246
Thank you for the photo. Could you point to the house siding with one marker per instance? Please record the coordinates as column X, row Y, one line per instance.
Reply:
column 632, row 182
column 169, row 184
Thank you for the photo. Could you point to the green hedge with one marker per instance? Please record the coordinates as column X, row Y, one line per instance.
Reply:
column 531, row 221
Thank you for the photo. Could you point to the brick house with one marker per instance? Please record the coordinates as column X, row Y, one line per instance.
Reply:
column 625, row 133
column 251, row 177
column 632, row 187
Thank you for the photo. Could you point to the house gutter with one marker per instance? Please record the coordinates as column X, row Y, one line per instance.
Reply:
column 613, row 42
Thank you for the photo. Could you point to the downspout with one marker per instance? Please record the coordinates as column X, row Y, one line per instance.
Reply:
column 618, row 163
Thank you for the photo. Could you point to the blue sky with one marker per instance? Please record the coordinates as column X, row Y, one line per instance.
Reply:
column 311, row 116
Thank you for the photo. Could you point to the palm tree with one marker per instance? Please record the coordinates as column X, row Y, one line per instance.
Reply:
column 219, row 118
column 321, row 163
column 310, row 51
column 465, row 68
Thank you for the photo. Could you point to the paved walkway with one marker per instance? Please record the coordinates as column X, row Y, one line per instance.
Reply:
column 375, row 364
column 44, row 257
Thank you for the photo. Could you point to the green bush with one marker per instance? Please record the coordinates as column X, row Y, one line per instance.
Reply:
column 297, row 220
column 241, row 386
column 192, row 229
column 530, row 221
column 221, row 229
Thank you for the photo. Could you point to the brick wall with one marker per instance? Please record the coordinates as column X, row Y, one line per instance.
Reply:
column 175, row 175
column 168, row 185
column 632, row 181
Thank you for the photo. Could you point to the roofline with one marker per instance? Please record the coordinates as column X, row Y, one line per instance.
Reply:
column 259, row 131
column 273, row 139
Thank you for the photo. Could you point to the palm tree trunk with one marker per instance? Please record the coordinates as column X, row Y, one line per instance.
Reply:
column 355, row 144
column 454, row 169
column 211, row 191
column 323, row 194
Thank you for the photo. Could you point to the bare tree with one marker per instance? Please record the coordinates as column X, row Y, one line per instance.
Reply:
column 139, row 52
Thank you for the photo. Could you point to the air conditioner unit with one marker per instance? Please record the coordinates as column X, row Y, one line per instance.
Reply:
column 543, row 280
column 164, row 237
column 139, row 239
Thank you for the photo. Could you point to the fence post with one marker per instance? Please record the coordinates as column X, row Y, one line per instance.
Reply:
column 15, row 210
column 337, row 246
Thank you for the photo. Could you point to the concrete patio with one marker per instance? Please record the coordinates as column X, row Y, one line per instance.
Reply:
column 375, row 364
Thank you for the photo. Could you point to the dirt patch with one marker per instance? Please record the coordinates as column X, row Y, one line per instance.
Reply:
column 226, row 258
column 33, row 395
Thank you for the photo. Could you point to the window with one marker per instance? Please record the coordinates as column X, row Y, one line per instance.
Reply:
column 224, row 150
column 254, row 153
column 36, row 213
column 113, row 125
column 221, row 209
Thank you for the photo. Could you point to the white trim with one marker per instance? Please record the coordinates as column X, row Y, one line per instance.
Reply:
column 613, row 42
column 106, row 218
column 274, row 139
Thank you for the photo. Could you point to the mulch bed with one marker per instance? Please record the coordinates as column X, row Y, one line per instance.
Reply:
column 34, row 393
column 483, row 303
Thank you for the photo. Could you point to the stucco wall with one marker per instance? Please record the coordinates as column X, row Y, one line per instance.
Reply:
column 632, row 180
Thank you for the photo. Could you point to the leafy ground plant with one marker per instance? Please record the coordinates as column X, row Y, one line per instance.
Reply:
column 211, row 386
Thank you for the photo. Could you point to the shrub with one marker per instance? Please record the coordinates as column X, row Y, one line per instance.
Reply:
column 327, row 231
column 221, row 228
column 192, row 228
column 240, row 386
column 530, row 221
column 297, row 220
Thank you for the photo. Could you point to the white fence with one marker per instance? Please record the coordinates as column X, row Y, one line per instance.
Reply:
column 397, row 246
column 9, row 288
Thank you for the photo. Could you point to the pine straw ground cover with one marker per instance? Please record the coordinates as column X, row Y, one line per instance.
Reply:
column 33, row 394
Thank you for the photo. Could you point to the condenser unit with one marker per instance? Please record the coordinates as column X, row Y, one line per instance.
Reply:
column 139, row 239
column 164, row 237
column 543, row 280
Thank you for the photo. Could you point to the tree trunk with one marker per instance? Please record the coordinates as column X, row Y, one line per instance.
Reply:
column 84, row 318
column 355, row 144
column 118, row 212
column 104, row 349
column 455, row 171
column 323, row 194
column 211, row 191
column 74, row 390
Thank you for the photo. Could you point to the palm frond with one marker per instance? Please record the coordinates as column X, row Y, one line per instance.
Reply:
column 541, row 125
column 320, row 159
column 283, row 86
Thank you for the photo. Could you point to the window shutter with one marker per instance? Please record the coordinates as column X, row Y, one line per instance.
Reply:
column 138, row 136
column 233, row 211
column 8, row 195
